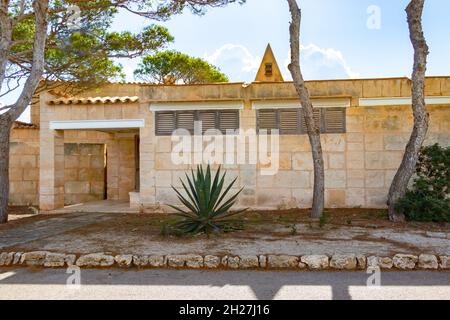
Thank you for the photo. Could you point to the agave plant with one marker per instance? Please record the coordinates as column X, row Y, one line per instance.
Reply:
column 207, row 205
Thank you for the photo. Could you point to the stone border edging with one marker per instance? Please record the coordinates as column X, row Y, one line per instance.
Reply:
column 262, row 262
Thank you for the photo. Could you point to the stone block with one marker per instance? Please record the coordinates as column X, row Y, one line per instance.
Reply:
column 355, row 178
column 333, row 142
column 282, row 262
column 124, row 261
column 335, row 198
column 343, row 262
column 59, row 260
column 374, row 179
column 335, row 179
column 336, row 161
column 34, row 258
column 248, row 262
column 211, row 262
column 405, row 261
column 95, row 260
column 316, row 262
column 428, row 261
column 355, row 160
column 302, row 161
column 373, row 142
column 355, row 197
column 395, row 142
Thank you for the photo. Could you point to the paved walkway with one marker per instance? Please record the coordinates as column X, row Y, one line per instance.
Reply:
column 103, row 206
column 48, row 228
column 222, row 285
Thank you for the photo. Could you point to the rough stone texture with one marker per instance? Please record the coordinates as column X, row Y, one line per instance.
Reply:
column 190, row 261
column 95, row 260
column 224, row 261
column 124, row 261
column 347, row 262
column 211, row 262
column 176, row 261
column 156, row 261
column 373, row 144
column 362, row 262
column 445, row 262
column 262, row 261
column 6, row 258
column 35, row 258
column 249, row 262
column 428, row 261
column 282, row 262
column 316, row 262
column 59, row 260
column 17, row 257
column 405, row 261
column 382, row 262
column 140, row 261
column 194, row 261
column 233, row 262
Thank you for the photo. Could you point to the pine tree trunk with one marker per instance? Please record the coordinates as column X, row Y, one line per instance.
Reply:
column 421, row 118
column 5, row 129
column 308, row 111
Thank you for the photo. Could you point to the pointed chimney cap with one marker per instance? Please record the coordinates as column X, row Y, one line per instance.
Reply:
column 269, row 71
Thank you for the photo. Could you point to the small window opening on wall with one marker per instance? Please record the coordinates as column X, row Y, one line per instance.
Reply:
column 269, row 69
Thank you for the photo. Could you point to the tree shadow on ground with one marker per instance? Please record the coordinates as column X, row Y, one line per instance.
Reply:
column 265, row 285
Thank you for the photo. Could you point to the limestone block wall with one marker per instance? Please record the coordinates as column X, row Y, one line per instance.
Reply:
column 360, row 164
column 84, row 172
column 24, row 167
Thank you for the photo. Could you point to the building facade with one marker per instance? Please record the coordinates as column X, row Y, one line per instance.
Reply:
column 115, row 142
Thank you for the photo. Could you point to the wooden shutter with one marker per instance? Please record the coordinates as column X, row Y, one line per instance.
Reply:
column 165, row 123
column 334, row 120
column 228, row 120
column 208, row 119
column 185, row 120
column 289, row 121
column 267, row 119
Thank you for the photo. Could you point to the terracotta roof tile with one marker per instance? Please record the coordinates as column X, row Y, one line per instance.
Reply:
column 93, row 100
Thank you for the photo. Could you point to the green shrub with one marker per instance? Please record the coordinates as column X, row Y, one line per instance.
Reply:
column 207, row 205
column 429, row 198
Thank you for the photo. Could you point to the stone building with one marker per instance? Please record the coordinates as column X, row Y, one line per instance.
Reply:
column 114, row 142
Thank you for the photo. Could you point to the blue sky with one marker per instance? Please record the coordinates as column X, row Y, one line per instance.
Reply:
column 335, row 38
column 337, row 42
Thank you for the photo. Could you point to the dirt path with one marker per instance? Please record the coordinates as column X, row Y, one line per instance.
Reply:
column 141, row 234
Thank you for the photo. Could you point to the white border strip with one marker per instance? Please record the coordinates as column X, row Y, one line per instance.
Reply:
column 192, row 106
column 290, row 104
column 97, row 124
column 401, row 101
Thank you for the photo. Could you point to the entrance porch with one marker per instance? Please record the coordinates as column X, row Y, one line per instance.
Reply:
column 78, row 181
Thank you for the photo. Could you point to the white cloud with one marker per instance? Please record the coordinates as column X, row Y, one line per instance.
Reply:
column 236, row 61
column 323, row 63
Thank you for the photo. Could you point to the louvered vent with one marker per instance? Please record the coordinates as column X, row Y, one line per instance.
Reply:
column 228, row 120
column 165, row 123
column 267, row 119
column 185, row 120
column 208, row 119
column 289, row 121
column 334, row 119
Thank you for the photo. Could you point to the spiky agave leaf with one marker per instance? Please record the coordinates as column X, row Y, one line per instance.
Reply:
column 206, row 202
